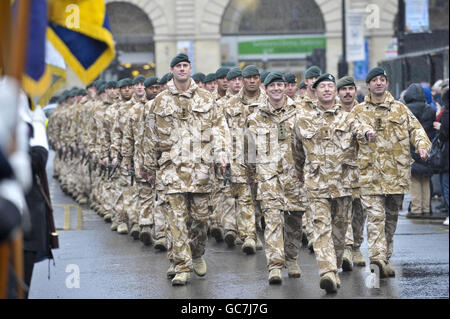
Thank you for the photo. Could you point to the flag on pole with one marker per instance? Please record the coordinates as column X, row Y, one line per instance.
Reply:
column 80, row 31
column 36, row 78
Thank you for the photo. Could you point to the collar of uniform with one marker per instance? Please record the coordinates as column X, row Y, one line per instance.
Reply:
column 188, row 93
column 266, row 107
column 259, row 99
column 334, row 109
column 387, row 101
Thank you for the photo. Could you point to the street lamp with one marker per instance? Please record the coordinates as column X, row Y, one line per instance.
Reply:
column 343, row 65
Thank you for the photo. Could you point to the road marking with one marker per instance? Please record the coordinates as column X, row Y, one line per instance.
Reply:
column 67, row 209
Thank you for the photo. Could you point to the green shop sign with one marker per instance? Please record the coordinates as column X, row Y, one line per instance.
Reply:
column 282, row 46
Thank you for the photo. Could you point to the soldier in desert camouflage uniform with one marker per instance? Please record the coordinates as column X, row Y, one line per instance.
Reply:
column 323, row 137
column 121, row 191
column 185, row 118
column 236, row 112
column 346, row 89
column 308, row 100
column 291, row 87
column 385, row 172
column 218, row 199
column 279, row 183
column 131, row 151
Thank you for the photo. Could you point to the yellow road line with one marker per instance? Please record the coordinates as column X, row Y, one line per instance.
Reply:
column 67, row 209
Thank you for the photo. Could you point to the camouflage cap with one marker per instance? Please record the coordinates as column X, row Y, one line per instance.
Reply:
column 313, row 72
column 344, row 81
column 124, row 82
column 376, row 71
column 139, row 79
column 274, row 77
column 290, row 78
column 250, row 70
column 181, row 57
column 210, row 77
column 324, row 77
column 199, row 77
column 234, row 73
column 151, row 81
column 222, row 72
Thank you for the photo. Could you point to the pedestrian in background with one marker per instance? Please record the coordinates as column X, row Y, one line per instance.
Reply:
column 416, row 101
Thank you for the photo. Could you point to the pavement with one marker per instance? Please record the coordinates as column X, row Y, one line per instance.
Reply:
column 95, row 263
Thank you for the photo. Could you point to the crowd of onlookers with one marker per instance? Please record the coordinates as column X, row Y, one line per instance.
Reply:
column 430, row 106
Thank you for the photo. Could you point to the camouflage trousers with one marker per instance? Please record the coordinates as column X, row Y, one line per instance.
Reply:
column 108, row 196
column 257, row 204
column 356, row 220
column 221, row 204
column 160, row 217
column 145, row 203
column 307, row 222
column 330, row 225
column 282, row 235
column 187, row 221
column 121, row 201
column 382, row 216
column 239, row 212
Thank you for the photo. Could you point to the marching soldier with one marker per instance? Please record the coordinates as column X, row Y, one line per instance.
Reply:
column 291, row 86
column 210, row 83
column 301, row 89
column 121, row 191
column 280, row 189
column 346, row 89
column 308, row 102
column 185, row 117
column 323, row 148
column 385, row 165
column 199, row 79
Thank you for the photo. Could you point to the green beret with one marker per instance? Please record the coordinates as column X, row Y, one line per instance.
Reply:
column 63, row 96
column 199, row 77
column 346, row 80
column 111, row 84
column 264, row 75
column 274, row 77
column 210, row 77
column 124, row 82
column 234, row 73
column 324, row 77
column 376, row 71
column 151, row 81
column 250, row 70
column 90, row 85
column 222, row 72
column 82, row 92
column 73, row 92
column 165, row 78
column 302, row 85
column 181, row 57
column 102, row 88
column 313, row 72
column 139, row 79
column 99, row 83
column 290, row 78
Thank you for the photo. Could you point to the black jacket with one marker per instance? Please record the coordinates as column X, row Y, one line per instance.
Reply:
column 38, row 238
column 415, row 100
column 443, row 134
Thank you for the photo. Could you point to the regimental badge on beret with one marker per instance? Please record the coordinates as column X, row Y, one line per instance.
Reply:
column 322, row 78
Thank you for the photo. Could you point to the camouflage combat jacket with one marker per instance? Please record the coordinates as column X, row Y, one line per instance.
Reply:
column 278, row 180
column 324, row 138
column 182, row 143
column 384, row 166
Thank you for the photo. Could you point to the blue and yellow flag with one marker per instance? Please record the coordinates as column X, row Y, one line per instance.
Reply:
column 80, row 31
column 36, row 78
